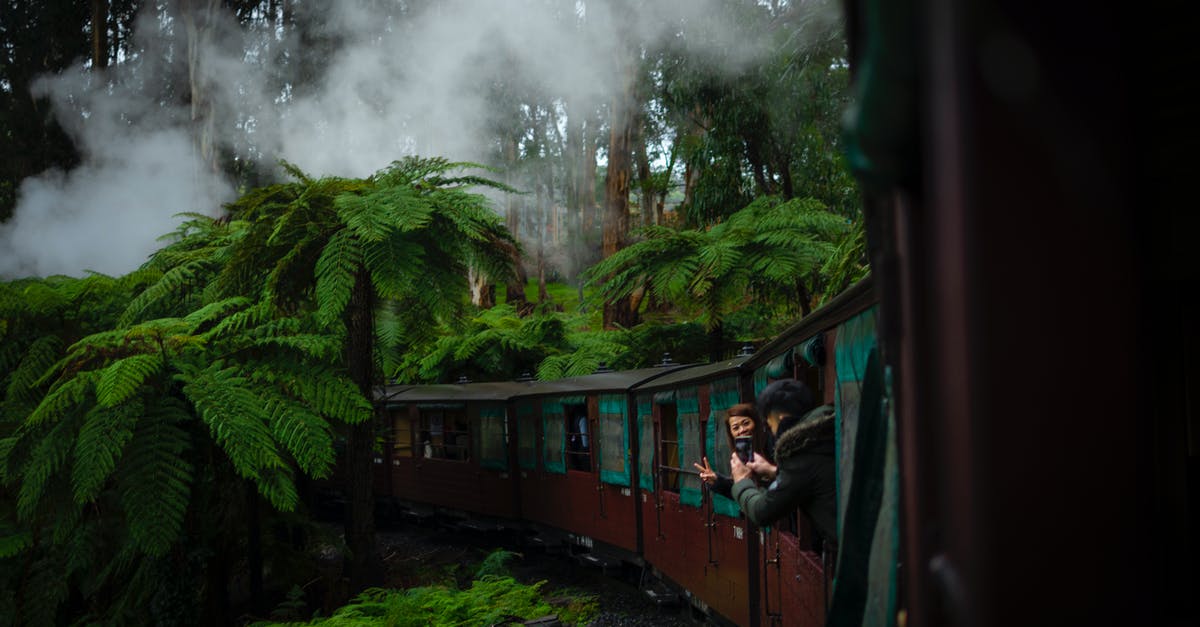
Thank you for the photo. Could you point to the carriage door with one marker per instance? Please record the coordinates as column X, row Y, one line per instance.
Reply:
column 723, row 394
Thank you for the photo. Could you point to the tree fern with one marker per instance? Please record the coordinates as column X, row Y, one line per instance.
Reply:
column 121, row 379
column 36, row 360
column 170, row 288
column 235, row 418
column 155, row 479
column 99, row 446
column 303, row 433
column 63, row 398
column 46, row 457
column 336, row 270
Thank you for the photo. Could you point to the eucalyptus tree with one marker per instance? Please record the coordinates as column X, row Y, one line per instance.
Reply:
column 395, row 247
column 771, row 251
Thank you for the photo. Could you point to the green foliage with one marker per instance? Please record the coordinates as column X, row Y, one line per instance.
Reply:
column 495, row 564
column 156, row 480
column 491, row 600
column 768, row 252
column 493, row 344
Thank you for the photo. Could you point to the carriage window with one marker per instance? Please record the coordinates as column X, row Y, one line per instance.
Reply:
column 669, row 448
column 402, row 433
column 579, row 441
column 445, row 434
column 526, row 437
column 492, row 437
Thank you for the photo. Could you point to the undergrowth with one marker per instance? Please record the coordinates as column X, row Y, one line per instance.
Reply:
column 493, row 598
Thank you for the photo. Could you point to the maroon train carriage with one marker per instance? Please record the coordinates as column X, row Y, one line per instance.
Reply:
column 828, row 351
column 695, row 538
column 574, row 454
column 451, row 447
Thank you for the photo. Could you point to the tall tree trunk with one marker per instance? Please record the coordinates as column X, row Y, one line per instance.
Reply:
column 99, row 34
column 514, row 288
column 616, row 183
column 587, row 183
column 198, row 18
column 543, row 295
column 649, row 196
column 696, row 126
column 483, row 291
column 364, row 566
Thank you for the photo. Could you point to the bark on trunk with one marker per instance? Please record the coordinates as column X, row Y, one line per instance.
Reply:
column 99, row 34
column 514, row 288
column 616, row 183
column 543, row 295
column 198, row 16
column 648, row 201
column 363, row 564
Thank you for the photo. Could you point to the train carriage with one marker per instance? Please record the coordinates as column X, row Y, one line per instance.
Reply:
column 834, row 351
column 451, row 447
column 694, row 537
column 576, row 461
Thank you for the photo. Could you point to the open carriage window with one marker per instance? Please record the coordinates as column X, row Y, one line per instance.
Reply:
column 579, row 441
column 445, row 433
column 669, row 447
column 402, row 435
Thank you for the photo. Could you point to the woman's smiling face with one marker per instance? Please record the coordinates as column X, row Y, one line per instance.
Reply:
column 741, row 426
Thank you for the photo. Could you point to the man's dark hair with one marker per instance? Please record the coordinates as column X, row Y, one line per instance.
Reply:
column 786, row 396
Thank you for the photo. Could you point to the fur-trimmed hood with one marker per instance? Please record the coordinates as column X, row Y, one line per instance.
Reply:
column 813, row 432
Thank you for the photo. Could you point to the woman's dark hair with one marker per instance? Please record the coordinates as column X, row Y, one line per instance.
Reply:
column 786, row 396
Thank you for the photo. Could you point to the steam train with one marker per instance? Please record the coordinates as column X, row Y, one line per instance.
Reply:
column 601, row 466
column 1029, row 217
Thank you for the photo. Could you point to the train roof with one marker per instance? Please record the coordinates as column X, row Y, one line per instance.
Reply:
column 853, row 300
column 617, row 380
column 483, row 391
column 702, row 372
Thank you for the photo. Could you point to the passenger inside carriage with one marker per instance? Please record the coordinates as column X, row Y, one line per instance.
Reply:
column 741, row 421
column 804, row 454
column 579, row 451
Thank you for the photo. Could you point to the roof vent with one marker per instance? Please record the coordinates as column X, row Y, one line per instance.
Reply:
column 603, row 367
column 463, row 379
column 525, row 377
column 746, row 350
column 666, row 360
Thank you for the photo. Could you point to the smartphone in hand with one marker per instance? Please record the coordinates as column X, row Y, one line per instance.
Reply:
column 744, row 446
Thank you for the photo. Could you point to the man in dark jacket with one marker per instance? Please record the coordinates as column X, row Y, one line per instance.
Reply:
column 804, row 456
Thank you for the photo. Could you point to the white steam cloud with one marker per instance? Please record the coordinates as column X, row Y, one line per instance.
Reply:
column 383, row 88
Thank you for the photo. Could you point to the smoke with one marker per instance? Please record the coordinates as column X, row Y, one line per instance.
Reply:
column 352, row 91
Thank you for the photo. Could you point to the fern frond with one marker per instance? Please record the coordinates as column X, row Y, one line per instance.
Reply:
column 220, row 309
column 235, row 418
column 13, row 542
column 99, row 447
column 63, row 398
column 48, row 455
column 169, row 289
column 38, row 358
column 238, row 321
column 295, row 172
column 396, row 264
column 155, row 479
column 320, row 347
column 303, row 433
column 336, row 271
column 121, row 379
